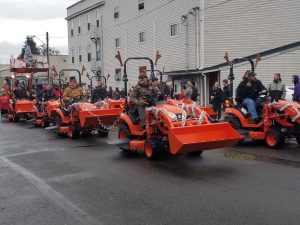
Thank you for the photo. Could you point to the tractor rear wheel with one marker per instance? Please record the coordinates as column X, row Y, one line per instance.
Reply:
column 151, row 150
column 16, row 118
column 195, row 154
column 275, row 139
column 45, row 123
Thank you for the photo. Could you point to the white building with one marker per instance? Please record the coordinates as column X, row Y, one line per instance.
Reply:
column 192, row 37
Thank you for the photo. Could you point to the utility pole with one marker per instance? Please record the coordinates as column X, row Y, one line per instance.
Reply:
column 47, row 44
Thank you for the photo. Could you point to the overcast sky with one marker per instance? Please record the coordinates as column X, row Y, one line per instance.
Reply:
column 19, row 18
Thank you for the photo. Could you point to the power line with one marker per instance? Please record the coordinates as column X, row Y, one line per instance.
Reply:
column 216, row 5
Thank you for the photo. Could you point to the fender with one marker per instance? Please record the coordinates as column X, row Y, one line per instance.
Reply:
column 134, row 129
column 64, row 119
column 244, row 122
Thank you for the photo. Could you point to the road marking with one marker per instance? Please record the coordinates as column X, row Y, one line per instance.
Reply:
column 72, row 209
column 30, row 152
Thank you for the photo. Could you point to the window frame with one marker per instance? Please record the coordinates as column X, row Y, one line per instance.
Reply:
column 116, row 12
column 117, row 41
column 88, row 21
column 72, row 56
column 144, row 37
column 141, row 3
column 177, row 29
column 118, row 76
column 79, row 25
column 79, row 55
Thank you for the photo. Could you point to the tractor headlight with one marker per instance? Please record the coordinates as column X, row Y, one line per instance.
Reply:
column 227, row 103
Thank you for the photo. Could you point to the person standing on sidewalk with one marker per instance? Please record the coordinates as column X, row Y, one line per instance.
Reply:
column 216, row 98
column 277, row 88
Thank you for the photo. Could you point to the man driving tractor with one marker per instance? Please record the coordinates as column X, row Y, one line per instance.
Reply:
column 20, row 92
column 249, row 91
column 74, row 91
column 143, row 95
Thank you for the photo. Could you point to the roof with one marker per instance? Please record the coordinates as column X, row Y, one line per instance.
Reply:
column 219, row 66
column 87, row 9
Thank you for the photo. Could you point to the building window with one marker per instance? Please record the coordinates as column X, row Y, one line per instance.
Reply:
column 72, row 28
column 89, row 21
column 72, row 56
column 98, row 49
column 117, row 42
column 79, row 55
column 118, row 74
column 79, row 24
column 89, row 53
column 98, row 19
column 142, row 37
column 141, row 4
column 116, row 13
column 174, row 30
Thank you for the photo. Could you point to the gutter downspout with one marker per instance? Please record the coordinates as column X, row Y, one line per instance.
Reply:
column 197, row 30
column 205, row 90
column 202, row 35
column 102, row 48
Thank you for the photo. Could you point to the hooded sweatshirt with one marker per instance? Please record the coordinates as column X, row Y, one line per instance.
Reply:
column 296, row 95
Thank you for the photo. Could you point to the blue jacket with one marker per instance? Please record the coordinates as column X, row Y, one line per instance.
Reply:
column 296, row 95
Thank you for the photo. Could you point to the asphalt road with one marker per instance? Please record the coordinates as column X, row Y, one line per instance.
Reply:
column 47, row 180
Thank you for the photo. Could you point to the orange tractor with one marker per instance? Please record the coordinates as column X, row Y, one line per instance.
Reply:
column 82, row 117
column 280, row 119
column 171, row 128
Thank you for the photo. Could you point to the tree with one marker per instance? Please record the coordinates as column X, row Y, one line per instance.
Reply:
column 52, row 50
column 32, row 45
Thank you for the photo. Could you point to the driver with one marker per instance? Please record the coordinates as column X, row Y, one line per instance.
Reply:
column 143, row 94
column 21, row 93
column 249, row 91
column 74, row 91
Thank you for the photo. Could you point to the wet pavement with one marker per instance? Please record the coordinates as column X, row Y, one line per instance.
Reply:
column 49, row 180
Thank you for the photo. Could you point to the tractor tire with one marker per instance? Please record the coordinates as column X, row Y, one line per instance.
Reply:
column 151, row 149
column 274, row 139
column 298, row 139
column 124, row 133
column 103, row 132
column 74, row 132
column 58, row 122
column 195, row 154
column 234, row 122
column 16, row 118
column 45, row 123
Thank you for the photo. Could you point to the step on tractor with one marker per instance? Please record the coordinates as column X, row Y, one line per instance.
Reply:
column 22, row 75
column 280, row 120
column 82, row 117
column 170, row 128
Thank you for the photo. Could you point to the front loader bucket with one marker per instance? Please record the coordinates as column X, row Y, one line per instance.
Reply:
column 202, row 137
column 24, row 107
column 97, row 117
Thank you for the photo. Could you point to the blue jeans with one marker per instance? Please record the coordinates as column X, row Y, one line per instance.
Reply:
column 251, row 105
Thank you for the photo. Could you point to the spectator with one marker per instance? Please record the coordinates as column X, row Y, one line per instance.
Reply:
column 21, row 93
column 57, row 92
column 117, row 94
column 99, row 93
column 4, row 102
column 296, row 95
column 188, row 91
column 195, row 92
column 181, row 95
column 277, row 88
column 226, row 89
column 216, row 98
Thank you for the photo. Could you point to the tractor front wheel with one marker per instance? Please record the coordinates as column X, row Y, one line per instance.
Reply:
column 74, row 132
column 151, row 150
column 274, row 139
column 124, row 133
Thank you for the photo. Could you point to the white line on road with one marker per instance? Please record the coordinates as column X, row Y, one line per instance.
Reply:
column 72, row 209
column 30, row 152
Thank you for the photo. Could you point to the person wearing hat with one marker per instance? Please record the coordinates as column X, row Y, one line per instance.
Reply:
column 143, row 95
column 74, row 91
column 248, row 91
column 20, row 92
column 277, row 88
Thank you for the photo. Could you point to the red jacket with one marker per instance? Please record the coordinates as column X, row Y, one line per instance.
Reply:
column 4, row 102
column 57, row 93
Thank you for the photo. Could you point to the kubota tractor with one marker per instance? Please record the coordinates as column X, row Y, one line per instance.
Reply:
column 82, row 117
column 280, row 120
column 171, row 128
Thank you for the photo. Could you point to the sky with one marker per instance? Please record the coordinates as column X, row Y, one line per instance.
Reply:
column 19, row 18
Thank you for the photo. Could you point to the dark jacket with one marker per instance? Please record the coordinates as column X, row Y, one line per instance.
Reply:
column 244, row 91
column 46, row 95
column 99, row 94
column 194, row 94
column 21, row 94
column 277, row 90
column 226, row 92
column 296, row 95
column 217, row 95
